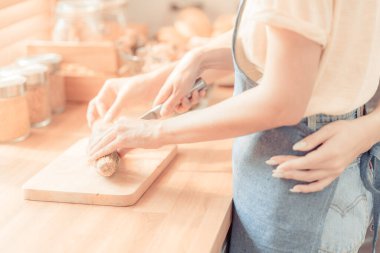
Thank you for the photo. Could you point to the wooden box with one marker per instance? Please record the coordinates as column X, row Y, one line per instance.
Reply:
column 100, row 58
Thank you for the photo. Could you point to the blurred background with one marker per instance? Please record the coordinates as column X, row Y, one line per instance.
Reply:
column 85, row 42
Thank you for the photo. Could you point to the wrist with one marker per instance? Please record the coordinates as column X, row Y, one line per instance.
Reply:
column 158, row 133
column 199, row 58
column 371, row 134
column 212, row 57
column 162, row 133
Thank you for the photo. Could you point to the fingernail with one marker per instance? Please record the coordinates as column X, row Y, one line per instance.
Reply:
column 277, row 174
column 295, row 190
column 279, row 169
column 300, row 145
column 271, row 162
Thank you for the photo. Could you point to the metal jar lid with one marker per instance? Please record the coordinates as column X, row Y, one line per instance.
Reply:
column 35, row 74
column 109, row 4
column 12, row 86
column 76, row 8
column 9, row 70
column 52, row 61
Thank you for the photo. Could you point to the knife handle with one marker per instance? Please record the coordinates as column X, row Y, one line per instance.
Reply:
column 199, row 85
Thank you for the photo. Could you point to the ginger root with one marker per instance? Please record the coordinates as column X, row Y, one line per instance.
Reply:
column 107, row 165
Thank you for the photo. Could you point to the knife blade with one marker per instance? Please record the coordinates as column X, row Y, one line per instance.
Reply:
column 154, row 113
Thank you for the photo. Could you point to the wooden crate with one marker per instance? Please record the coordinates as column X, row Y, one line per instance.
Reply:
column 100, row 57
column 25, row 28
column 97, row 56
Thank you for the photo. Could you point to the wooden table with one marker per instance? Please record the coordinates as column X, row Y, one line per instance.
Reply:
column 187, row 209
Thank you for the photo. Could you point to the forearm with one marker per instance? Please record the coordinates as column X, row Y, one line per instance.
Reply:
column 271, row 104
column 215, row 58
column 236, row 116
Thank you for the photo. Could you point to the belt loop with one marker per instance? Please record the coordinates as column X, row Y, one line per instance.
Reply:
column 312, row 122
column 360, row 111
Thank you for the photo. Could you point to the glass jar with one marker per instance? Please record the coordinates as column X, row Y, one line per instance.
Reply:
column 37, row 94
column 77, row 20
column 14, row 113
column 114, row 18
column 55, row 79
column 90, row 20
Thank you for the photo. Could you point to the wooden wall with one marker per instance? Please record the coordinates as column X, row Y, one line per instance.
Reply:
column 20, row 21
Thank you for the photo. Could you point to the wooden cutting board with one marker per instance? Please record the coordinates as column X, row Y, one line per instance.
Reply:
column 69, row 178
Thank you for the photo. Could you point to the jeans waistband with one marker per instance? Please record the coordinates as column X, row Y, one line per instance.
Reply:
column 315, row 122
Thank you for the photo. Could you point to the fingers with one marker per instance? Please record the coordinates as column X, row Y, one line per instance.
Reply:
column 313, row 160
column 100, row 107
column 194, row 99
column 301, row 175
column 163, row 94
column 172, row 101
column 106, row 138
column 203, row 93
column 169, row 106
column 96, row 109
column 92, row 113
column 184, row 106
column 187, row 103
column 312, row 141
column 276, row 160
column 106, row 149
column 115, row 109
column 313, row 187
column 167, row 98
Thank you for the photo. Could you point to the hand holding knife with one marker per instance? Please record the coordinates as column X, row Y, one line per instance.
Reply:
column 108, row 164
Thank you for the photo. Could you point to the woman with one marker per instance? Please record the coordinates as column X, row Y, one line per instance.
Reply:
column 319, row 66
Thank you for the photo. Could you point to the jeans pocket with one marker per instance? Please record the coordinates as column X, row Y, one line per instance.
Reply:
column 349, row 214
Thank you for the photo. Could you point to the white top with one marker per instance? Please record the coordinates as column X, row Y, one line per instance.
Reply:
column 348, row 31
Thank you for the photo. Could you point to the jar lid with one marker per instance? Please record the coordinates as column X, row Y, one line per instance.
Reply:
column 51, row 60
column 35, row 74
column 112, row 3
column 74, row 7
column 9, row 70
column 12, row 86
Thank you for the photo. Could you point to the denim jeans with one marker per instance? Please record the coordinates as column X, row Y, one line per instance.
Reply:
column 268, row 218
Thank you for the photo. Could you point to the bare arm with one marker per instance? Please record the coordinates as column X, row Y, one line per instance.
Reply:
column 280, row 99
column 117, row 93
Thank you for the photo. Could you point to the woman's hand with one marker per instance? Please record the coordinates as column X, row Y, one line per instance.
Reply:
column 124, row 134
column 174, row 93
column 332, row 149
column 115, row 94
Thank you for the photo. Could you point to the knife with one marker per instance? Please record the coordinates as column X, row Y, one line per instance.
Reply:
column 154, row 113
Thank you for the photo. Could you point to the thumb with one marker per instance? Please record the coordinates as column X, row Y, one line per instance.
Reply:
column 312, row 141
column 168, row 107
column 163, row 94
column 114, row 110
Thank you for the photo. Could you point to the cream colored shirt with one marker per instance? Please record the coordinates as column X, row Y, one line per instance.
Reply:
column 348, row 31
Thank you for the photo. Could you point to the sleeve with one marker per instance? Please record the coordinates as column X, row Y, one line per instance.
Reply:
column 310, row 18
